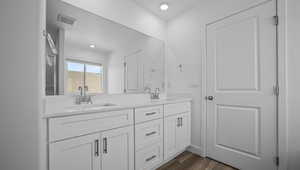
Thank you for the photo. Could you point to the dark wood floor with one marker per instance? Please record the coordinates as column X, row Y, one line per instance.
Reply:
column 189, row 161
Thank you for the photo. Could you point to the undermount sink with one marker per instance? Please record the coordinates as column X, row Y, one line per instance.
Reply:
column 89, row 106
column 99, row 105
column 164, row 99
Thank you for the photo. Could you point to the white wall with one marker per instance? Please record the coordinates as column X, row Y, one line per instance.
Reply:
column 186, row 38
column 125, row 12
column 293, row 64
column 20, row 87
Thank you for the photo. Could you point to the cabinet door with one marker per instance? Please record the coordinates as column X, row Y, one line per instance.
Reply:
column 183, row 132
column 170, row 126
column 117, row 149
column 80, row 153
column 177, row 134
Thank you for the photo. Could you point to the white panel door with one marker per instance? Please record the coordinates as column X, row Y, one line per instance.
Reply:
column 117, row 148
column 241, row 73
column 80, row 153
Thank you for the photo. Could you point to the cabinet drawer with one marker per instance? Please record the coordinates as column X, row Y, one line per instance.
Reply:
column 176, row 108
column 149, row 157
column 148, row 113
column 148, row 133
column 67, row 127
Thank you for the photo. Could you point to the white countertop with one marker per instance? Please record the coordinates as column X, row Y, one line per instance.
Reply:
column 78, row 110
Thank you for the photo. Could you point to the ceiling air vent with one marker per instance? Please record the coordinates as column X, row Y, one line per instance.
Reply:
column 66, row 19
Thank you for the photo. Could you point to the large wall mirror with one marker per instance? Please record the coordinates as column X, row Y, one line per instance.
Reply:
column 86, row 51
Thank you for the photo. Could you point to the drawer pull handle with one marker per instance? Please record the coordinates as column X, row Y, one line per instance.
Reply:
column 151, row 133
column 149, row 159
column 105, row 145
column 97, row 148
column 149, row 114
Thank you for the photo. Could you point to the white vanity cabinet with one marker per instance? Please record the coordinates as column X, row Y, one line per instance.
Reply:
column 98, row 141
column 72, row 126
column 75, row 154
column 117, row 149
column 112, row 149
column 148, row 137
column 141, row 138
column 177, row 129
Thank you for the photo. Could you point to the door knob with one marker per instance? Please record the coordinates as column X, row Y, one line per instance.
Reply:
column 210, row 98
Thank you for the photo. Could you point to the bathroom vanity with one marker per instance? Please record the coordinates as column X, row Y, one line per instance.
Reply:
column 131, row 137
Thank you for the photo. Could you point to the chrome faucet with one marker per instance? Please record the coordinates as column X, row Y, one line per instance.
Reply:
column 156, row 93
column 153, row 95
column 83, row 98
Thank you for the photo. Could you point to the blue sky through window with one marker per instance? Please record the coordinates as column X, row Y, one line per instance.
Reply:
column 79, row 67
column 94, row 69
column 75, row 67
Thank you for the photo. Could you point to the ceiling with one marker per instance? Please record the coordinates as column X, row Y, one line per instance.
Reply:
column 176, row 7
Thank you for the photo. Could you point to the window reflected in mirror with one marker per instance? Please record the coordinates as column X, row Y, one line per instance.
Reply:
column 84, row 75
column 94, row 78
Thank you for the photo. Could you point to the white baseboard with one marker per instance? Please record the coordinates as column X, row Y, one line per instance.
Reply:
column 196, row 150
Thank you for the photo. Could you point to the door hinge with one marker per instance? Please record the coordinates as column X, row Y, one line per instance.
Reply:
column 276, row 20
column 276, row 90
column 276, row 160
column 44, row 33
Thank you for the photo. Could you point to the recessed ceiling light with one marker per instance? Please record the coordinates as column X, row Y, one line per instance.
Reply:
column 92, row 46
column 164, row 6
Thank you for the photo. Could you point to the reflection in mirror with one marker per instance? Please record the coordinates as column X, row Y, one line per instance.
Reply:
column 86, row 51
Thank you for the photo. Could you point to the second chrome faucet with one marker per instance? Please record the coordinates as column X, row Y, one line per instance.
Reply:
column 153, row 95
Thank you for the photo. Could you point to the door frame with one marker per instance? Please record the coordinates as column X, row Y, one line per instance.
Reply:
column 281, row 79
